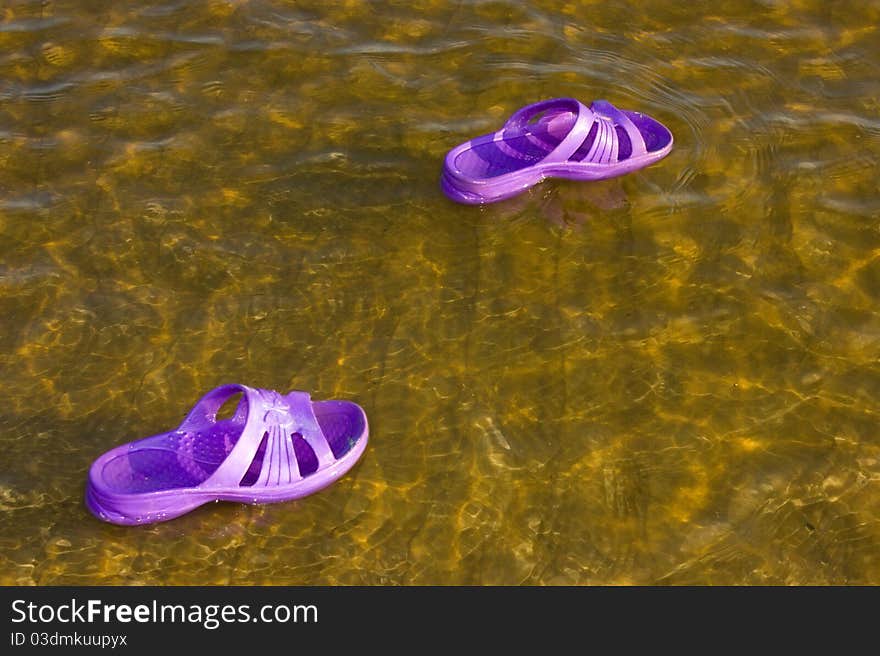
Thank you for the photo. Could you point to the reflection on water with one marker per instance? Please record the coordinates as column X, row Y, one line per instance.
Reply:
column 665, row 378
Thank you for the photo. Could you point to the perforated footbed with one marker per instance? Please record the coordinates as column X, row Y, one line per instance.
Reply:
column 181, row 459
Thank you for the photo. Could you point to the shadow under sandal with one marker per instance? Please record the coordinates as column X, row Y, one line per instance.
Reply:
column 558, row 138
column 274, row 448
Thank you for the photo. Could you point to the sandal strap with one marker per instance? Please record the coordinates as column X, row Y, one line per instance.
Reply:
column 306, row 424
column 238, row 460
column 613, row 116
column 606, row 144
column 573, row 140
column 205, row 410
column 269, row 414
column 605, row 148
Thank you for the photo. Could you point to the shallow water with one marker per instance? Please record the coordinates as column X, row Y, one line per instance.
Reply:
column 666, row 378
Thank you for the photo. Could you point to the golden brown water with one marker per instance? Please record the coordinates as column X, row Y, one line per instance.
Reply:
column 668, row 378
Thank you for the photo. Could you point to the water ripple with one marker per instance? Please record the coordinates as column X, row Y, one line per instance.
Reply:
column 678, row 367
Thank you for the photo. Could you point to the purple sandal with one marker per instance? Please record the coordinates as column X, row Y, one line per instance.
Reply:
column 559, row 138
column 274, row 448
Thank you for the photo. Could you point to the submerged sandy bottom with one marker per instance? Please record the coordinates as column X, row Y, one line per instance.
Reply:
column 665, row 378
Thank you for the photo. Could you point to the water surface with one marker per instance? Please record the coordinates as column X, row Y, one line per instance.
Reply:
column 666, row 378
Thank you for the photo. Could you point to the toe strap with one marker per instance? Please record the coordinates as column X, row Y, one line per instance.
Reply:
column 304, row 422
column 613, row 116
